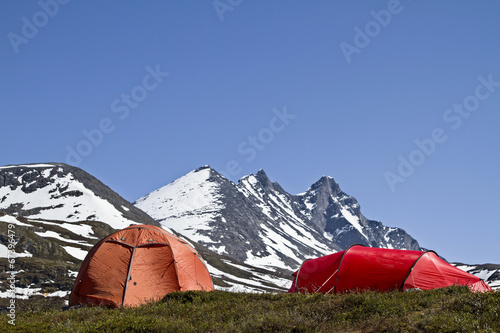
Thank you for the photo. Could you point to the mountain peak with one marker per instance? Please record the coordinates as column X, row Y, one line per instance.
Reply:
column 204, row 167
column 263, row 178
column 326, row 184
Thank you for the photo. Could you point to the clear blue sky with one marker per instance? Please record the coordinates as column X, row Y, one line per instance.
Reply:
column 142, row 92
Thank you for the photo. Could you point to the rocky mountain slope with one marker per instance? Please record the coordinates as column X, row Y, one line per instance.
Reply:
column 257, row 222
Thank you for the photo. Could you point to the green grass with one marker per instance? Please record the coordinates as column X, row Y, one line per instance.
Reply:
column 453, row 309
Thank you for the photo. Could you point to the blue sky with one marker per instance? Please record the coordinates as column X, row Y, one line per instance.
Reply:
column 397, row 100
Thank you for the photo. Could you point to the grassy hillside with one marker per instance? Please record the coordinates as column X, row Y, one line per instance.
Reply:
column 453, row 309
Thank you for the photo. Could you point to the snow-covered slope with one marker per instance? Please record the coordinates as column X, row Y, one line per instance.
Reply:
column 283, row 228
column 260, row 224
column 490, row 273
column 60, row 192
column 190, row 204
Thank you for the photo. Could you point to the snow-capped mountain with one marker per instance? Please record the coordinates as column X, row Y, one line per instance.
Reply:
column 55, row 191
column 257, row 222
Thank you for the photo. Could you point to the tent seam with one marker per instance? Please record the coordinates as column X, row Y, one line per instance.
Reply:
column 413, row 266
column 340, row 265
column 297, row 276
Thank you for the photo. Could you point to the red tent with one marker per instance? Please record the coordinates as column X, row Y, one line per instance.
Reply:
column 366, row 268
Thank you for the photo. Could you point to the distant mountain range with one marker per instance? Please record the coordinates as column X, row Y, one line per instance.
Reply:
column 252, row 234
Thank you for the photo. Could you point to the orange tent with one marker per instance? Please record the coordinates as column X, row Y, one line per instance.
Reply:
column 136, row 264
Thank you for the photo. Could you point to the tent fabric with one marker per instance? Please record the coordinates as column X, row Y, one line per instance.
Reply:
column 137, row 264
column 366, row 268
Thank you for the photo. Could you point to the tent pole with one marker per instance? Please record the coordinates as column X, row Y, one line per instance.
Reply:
column 326, row 282
column 128, row 275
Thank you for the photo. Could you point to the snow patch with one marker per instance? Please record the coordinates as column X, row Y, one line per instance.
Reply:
column 6, row 253
column 12, row 220
column 75, row 252
column 52, row 234
column 352, row 219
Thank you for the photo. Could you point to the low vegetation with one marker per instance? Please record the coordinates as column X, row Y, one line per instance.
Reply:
column 453, row 309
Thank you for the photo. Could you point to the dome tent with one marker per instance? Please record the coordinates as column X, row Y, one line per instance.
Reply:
column 365, row 268
column 137, row 264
